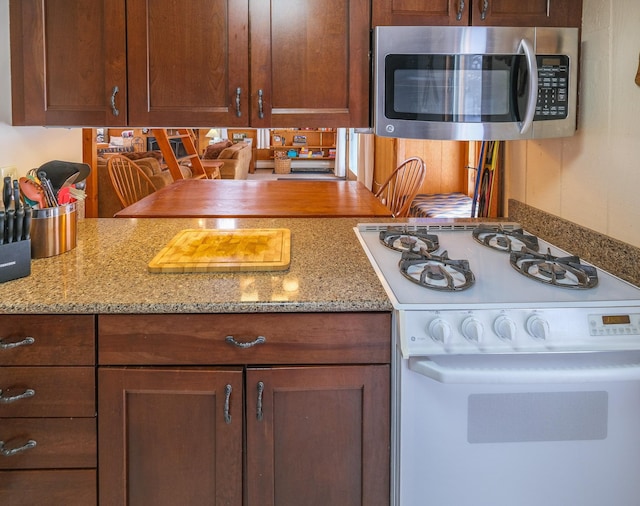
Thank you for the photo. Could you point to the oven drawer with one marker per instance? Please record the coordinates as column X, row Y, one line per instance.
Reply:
column 270, row 338
column 49, row 488
column 60, row 443
column 47, row 340
column 47, row 391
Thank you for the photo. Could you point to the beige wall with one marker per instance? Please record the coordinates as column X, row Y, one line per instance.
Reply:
column 593, row 179
column 28, row 147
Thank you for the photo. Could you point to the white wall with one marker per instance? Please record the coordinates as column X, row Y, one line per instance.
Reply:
column 593, row 179
column 28, row 147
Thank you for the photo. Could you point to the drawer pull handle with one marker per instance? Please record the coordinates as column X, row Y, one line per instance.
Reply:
column 25, row 342
column 227, row 398
column 25, row 395
column 114, row 110
column 10, row 453
column 259, row 403
column 460, row 10
column 238, row 93
column 258, row 340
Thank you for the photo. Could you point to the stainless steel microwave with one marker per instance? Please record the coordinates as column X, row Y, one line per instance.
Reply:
column 475, row 83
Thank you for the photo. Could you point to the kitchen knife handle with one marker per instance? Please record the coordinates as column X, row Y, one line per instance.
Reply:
column 11, row 217
column 17, row 202
column 19, row 224
column 26, row 226
column 2, row 228
column 6, row 193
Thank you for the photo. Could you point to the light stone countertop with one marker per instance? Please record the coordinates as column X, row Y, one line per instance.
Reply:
column 107, row 273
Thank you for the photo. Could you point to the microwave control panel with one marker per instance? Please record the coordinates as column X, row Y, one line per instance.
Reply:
column 553, row 87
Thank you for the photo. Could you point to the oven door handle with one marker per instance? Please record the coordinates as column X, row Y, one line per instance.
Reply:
column 530, row 369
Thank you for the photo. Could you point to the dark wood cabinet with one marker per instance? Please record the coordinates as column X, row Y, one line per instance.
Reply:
column 68, row 62
column 310, row 63
column 317, row 436
column 48, row 410
column 312, row 434
column 139, row 63
column 170, row 436
column 478, row 12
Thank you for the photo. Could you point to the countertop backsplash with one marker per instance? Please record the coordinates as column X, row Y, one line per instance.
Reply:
column 612, row 255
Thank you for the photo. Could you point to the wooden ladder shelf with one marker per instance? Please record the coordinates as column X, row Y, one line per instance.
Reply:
column 173, row 162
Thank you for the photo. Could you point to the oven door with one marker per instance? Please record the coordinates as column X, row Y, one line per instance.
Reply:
column 502, row 431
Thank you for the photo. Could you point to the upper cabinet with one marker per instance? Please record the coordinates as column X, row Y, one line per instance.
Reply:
column 68, row 62
column 140, row 63
column 478, row 12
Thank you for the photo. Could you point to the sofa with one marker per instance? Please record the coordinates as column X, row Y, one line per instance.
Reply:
column 150, row 162
column 236, row 158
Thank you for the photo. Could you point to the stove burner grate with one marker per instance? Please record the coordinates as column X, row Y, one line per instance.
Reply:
column 436, row 272
column 566, row 272
column 497, row 237
column 401, row 239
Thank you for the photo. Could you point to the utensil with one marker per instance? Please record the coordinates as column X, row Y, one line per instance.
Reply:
column 19, row 224
column 49, row 194
column 58, row 172
column 26, row 227
column 6, row 193
column 33, row 191
column 11, row 217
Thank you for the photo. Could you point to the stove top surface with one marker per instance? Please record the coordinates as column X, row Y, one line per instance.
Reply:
column 497, row 283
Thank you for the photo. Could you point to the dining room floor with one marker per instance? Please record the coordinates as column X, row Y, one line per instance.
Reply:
column 268, row 174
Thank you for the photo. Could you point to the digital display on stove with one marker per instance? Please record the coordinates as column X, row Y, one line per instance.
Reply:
column 622, row 319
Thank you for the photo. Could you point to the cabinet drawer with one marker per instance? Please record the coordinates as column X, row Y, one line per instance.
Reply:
column 56, row 391
column 62, row 443
column 48, row 488
column 289, row 338
column 47, row 340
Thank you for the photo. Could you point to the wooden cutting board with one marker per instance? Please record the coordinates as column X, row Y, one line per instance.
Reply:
column 209, row 250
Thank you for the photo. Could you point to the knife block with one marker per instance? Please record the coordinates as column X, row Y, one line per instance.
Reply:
column 15, row 260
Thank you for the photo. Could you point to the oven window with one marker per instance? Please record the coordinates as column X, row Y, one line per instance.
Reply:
column 454, row 88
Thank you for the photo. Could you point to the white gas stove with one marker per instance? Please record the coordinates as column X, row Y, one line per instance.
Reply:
column 515, row 375
column 497, row 308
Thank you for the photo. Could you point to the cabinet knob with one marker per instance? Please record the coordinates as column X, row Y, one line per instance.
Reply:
column 25, row 342
column 5, row 452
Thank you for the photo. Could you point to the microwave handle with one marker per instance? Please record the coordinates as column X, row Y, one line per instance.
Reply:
column 526, row 48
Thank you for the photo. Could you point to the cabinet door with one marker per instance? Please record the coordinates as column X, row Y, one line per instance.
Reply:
column 420, row 12
column 68, row 62
column 309, row 63
column 186, row 60
column 527, row 13
column 478, row 12
column 318, row 436
column 170, row 436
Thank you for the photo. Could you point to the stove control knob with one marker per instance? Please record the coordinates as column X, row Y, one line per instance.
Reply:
column 472, row 329
column 538, row 327
column 440, row 331
column 505, row 327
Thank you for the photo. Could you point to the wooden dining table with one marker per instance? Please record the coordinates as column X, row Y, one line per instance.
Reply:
column 230, row 198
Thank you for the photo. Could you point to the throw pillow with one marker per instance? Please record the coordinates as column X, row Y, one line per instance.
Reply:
column 213, row 150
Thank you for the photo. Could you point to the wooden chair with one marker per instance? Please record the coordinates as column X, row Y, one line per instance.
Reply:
column 129, row 181
column 402, row 186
